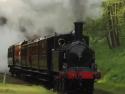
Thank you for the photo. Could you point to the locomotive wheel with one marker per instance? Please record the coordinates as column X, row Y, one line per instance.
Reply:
column 88, row 87
column 64, row 86
column 60, row 86
column 12, row 74
column 56, row 85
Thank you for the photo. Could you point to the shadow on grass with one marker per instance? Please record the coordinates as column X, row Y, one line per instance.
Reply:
column 100, row 91
column 7, row 91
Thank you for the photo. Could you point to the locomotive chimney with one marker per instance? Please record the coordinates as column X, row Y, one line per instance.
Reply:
column 78, row 29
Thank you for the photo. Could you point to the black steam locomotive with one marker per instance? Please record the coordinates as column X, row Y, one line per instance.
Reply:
column 66, row 61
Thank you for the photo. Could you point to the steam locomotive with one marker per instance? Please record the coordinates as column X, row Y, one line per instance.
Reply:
column 66, row 61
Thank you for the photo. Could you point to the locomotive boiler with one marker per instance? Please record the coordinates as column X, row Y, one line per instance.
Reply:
column 65, row 61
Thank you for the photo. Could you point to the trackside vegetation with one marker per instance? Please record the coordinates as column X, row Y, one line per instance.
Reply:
column 22, row 89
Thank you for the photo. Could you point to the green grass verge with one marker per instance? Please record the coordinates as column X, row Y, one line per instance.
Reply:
column 109, row 88
column 21, row 89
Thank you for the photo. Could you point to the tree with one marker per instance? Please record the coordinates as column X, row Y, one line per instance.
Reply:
column 112, row 21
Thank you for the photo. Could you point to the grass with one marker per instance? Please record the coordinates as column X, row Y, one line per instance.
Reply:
column 109, row 88
column 16, row 86
column 23, row 89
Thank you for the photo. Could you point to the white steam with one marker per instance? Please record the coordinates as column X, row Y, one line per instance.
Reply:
column 8, row 36
column 27, row 19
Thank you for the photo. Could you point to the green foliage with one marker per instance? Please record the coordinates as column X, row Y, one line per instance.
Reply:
column 95, row 28
column 111, row 62
column 120, row 13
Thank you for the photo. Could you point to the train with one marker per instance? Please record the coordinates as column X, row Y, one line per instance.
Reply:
column 65, row 61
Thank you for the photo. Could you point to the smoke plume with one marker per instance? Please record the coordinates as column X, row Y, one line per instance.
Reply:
column 86, row 8
column 30, row 19
column 79, row 9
